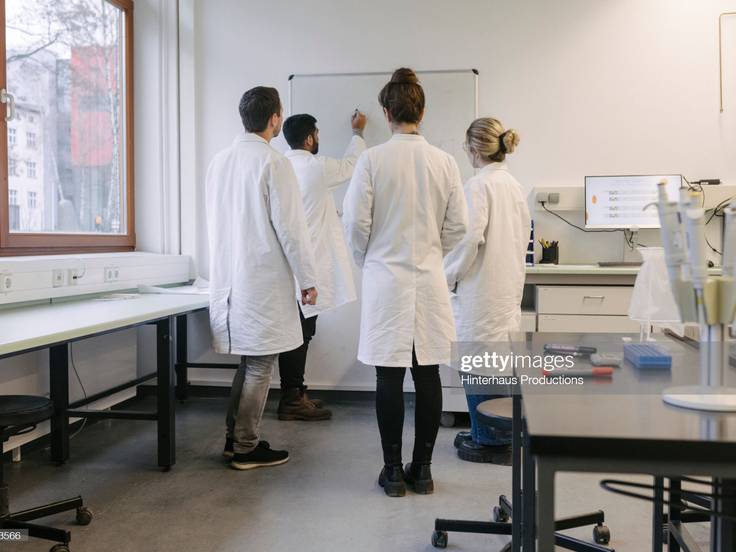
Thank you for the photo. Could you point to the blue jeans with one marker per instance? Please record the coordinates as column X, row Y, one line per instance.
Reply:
column 483, row 433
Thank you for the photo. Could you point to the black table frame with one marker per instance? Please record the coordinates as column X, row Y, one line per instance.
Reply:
column 165, row 412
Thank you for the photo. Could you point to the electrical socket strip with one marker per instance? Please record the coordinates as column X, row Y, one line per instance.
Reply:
column 24, row 279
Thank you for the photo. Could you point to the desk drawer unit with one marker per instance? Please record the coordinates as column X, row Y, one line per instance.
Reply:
column 581, row 323
column 597, row 300
column 584, row 309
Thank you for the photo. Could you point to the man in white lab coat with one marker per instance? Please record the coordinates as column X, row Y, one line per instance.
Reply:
column 318, row 177
column 259, row 243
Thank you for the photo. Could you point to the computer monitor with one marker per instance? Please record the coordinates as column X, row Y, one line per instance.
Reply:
column 618, row 202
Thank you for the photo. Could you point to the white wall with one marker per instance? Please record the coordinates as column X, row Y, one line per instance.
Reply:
column 593, row 86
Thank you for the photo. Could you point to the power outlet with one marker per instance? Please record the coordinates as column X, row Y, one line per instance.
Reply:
column 6, row 282
column 112, row 273
column 59, row 278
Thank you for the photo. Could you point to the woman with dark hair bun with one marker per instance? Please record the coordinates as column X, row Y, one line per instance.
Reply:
column 403, row 211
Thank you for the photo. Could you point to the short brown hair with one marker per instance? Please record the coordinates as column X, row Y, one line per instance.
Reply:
column 403, row 97
column 257, row 106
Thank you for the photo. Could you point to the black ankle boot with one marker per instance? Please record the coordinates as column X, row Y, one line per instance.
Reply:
column 419, row 478
column 418, row 473
column 392, row 477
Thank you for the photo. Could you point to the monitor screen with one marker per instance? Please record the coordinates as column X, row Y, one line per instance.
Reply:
column 619, row 201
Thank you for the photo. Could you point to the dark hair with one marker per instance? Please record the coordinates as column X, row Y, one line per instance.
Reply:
column 298, row 128
column 257, row 106
column 403, row 97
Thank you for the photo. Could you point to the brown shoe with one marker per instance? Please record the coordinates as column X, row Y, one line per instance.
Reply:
column 295, row 406
column 319, row 403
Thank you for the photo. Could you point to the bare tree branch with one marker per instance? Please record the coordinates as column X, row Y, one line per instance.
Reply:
column 31, row 53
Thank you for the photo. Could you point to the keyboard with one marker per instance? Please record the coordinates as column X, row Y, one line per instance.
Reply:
column 646, row 355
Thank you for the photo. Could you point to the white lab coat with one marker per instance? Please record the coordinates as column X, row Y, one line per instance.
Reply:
column 403, row 211
column 258, row 243
column 318, row 176
column 489, row 264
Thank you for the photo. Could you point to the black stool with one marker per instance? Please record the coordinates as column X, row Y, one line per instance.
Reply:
column 19, row 414
column 499, row 414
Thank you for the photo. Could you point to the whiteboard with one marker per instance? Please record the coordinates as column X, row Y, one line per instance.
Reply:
column 452, row 104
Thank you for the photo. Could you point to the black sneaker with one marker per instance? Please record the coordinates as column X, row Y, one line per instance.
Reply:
column 259, row 457
column 461, row 437
column 229, row 451
column 470, row 451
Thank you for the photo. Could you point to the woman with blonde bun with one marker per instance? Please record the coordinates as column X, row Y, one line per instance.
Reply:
column 487, row 268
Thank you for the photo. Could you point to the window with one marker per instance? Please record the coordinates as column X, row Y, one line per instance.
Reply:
column 73, row 99
column 31, row 169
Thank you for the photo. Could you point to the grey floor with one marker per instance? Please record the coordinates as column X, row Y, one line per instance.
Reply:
column 325, row 499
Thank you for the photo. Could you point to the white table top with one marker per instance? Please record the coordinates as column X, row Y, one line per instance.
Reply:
column 582, row 269
column 30, row 327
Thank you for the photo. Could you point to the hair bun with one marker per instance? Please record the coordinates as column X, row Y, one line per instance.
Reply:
column 510, row 140
column 404, row 75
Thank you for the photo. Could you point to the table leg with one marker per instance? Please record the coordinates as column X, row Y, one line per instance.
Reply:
column 528, row 493
column 516, row 492
column 182, row 372
column 165, row 393
column 723, row 530
column 658, row 515
column 545, row 505
column 59, row 393
column 674, row 513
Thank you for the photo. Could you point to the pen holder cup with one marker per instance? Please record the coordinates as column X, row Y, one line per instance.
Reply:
column 551, row 254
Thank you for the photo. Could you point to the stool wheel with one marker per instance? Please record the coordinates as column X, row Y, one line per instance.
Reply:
column 60, row 548
column 447, row 419
column 84, row 516
column 601, row 534
column 499, row 516
column 439, row 539
column 506, row 548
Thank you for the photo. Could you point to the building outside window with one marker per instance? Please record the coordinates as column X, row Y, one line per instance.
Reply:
column 72, row 85
column 32, row 200
column 13, row 197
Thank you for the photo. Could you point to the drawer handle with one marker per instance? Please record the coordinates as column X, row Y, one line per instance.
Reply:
column 601, row 297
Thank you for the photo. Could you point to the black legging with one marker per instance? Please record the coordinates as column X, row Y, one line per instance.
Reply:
column 390, row 408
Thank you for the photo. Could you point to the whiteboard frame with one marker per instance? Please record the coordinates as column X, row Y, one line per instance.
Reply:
column 474, row 72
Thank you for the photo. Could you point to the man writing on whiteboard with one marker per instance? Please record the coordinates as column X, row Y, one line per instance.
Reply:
column 318, row 177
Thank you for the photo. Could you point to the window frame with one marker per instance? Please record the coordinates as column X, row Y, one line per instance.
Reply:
column 54, row 243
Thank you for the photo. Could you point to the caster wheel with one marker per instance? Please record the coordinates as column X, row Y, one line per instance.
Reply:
column 84, row 516
column 60, row 548
column 439, row 539
column 499, row 516
column 506, row 548
column 601, row 534
column 447, row 419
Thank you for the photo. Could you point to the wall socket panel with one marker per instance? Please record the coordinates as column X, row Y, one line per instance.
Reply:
column 6, row 282
column 25, row 279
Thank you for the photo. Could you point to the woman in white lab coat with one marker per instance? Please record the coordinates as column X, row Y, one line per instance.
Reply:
column 487, row 268
column 403, row 211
